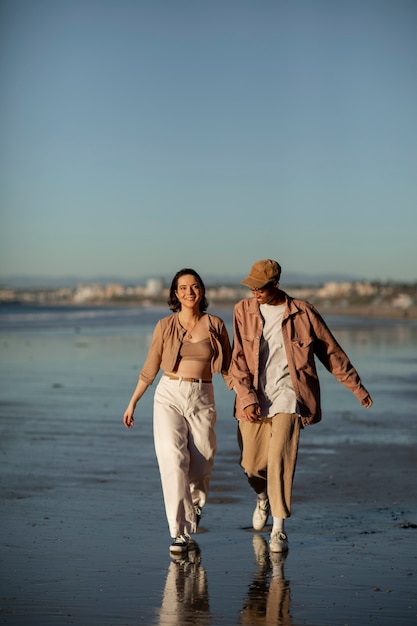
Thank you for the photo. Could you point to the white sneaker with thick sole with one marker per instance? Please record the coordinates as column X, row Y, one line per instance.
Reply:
column 180, row 544
column 260, row 514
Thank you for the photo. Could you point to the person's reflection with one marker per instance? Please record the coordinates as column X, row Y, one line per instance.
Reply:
column 185, row 599
column 267, row 601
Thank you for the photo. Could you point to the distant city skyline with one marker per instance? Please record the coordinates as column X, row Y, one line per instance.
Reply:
column 359, row 298
column 288, row 280
column 139, row 138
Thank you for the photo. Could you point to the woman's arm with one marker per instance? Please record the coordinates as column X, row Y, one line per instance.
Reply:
column 141, row 387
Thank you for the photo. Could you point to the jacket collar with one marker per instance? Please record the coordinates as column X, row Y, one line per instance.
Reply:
column 291, row 306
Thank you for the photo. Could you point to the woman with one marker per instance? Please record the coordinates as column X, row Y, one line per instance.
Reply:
column 189, row 346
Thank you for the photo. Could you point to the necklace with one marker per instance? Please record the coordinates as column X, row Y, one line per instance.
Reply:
column 189, row 330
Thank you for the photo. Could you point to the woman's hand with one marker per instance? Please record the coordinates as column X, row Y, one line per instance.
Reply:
column 128, row 419
column 141, row 387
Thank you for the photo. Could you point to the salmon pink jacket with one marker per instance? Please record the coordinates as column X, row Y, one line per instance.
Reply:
column 305, row 335
column 164, row 351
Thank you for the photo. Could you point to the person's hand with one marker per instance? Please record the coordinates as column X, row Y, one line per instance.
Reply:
column 367, row 402
column 252, row 413
column 128, row 419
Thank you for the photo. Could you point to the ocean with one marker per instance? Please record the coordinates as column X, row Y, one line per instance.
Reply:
column 70, row 355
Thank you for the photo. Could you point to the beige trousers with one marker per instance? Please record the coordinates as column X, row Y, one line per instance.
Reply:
column 269, row 451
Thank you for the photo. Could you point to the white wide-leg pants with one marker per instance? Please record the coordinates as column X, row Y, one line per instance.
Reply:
column 185, row 444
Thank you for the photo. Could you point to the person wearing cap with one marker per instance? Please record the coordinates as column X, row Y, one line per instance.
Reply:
column 189, row 346
column 276, row 340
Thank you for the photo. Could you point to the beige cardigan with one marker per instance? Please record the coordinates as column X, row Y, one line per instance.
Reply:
column 166, row 343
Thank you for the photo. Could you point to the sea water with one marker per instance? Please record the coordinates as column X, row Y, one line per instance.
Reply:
column 82, row 364
column 56, row 354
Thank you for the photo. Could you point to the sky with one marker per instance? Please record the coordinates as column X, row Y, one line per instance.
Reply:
column 142, row 136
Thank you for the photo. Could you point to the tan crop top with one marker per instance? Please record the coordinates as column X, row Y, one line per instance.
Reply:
column 197, row 350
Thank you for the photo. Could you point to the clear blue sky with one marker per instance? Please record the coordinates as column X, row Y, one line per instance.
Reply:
column 138, row 137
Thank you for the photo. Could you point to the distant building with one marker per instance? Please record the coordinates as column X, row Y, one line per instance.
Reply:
column 403, row 301
column 114, row 291
column 7, row 295
column 86, row 293
column 154, row 287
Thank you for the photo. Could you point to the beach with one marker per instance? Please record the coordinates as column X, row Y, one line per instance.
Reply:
column 84, row 539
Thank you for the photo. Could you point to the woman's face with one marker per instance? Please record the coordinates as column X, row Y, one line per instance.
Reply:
column 189, row 291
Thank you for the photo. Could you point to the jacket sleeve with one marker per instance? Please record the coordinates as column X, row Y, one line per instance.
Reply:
column 333, row 357
column 241, row 375
column 153, row 360
column 227, row 356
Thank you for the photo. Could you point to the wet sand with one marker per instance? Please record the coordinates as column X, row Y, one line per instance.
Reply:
column 85, row 541
column 83, row 534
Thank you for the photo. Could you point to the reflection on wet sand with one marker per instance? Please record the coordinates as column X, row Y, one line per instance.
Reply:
column 185, row 600
column 267, row 601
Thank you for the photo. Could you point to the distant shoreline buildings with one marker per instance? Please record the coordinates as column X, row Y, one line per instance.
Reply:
column 371, row 299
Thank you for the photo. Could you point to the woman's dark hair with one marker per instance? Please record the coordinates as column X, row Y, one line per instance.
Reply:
column 173, row 302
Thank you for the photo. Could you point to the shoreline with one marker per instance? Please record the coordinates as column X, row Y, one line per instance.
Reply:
column 365, row 311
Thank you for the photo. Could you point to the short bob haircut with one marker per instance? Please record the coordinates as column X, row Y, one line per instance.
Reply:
column 173, row 302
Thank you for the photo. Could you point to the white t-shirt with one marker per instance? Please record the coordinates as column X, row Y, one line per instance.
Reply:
column 276, row 393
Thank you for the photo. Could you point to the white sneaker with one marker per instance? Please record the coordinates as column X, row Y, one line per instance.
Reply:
column 278, row 542
column 180, row 544
column 260, row 514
